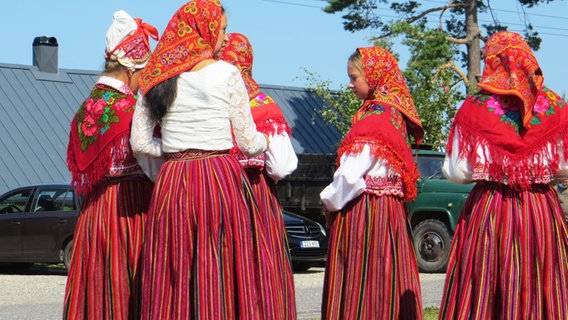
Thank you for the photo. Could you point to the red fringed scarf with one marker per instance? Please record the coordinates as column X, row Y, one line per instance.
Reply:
column 100, row 137
column 515, row 155
column 384, row 130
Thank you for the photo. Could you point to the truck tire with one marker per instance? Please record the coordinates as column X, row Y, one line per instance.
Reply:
column 432, row 242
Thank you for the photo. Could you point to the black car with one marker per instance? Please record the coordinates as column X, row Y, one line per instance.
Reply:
column 37, row 224
column 307, row 240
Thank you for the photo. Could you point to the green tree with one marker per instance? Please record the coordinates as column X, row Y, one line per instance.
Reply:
column 438, row 56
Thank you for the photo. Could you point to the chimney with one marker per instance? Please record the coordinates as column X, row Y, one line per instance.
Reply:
column 45, row 54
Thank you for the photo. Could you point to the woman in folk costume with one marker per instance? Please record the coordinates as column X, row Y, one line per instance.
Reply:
column 371, row 270
column 198, row 257
column 508, row 256
column 276, row 282
column 103, row 280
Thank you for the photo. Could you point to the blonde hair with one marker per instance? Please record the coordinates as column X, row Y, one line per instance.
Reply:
column 355, row 59
column 113, row 66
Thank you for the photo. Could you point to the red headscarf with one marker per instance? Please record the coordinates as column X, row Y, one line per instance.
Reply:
column 189, row 38
column 388, row 88
column 267, row 115
column 512, row 69
column 517, row 121
column 239, row 53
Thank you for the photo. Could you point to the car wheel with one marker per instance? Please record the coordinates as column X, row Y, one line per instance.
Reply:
column 67, row 254
column 432, row 245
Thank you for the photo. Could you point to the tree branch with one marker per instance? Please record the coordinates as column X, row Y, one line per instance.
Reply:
column 451, row 65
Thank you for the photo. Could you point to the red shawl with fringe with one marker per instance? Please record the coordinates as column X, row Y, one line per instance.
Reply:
column 515, row 156
column 384, row 130
column 269, row 120
column 99, row 138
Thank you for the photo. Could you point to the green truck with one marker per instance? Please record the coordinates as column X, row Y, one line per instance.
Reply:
column 435, row 211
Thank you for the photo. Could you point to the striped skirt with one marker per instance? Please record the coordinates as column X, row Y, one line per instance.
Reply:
column 198, row 255
column 104, row 279
column 509, row 257
column 276, row 281
column 371, row 270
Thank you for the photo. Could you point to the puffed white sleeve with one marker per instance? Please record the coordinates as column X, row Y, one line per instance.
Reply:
column 280, row 158
column 147, row 148
column 348, row 180
column 562, row 173
column 456, row 169
column 249, row 140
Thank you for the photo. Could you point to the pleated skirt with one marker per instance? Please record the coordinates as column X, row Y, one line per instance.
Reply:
column 276, row 280
column 198, row 256
column 509, row 257
column 104, row 280
column 371, row 270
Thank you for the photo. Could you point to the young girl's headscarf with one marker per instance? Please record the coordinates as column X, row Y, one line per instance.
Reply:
column 388, row 88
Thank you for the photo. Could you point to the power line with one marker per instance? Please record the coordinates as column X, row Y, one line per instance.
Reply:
column 442, row 2
column 293, row 3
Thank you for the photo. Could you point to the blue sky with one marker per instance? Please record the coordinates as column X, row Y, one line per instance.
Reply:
column 287, row 35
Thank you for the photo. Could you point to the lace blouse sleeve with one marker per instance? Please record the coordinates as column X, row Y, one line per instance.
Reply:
column 250, row 141
column 142, row 138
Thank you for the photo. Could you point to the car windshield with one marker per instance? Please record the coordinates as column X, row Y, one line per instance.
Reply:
column 430, row 166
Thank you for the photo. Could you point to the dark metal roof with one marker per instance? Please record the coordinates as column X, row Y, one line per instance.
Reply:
column 37, row 107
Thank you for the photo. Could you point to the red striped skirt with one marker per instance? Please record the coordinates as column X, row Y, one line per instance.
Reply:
column 198, row 255
column 104, row 280
column 276, row 281
column 371, row 270
column 509, row 257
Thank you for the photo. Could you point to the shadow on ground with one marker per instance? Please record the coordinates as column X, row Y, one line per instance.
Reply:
column 33, row 269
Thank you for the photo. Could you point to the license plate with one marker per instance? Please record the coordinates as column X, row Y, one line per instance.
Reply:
column 309, row 244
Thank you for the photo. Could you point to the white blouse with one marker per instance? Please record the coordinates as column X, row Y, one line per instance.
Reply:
column 209, row 103
column 350, row 179
column 459, row 170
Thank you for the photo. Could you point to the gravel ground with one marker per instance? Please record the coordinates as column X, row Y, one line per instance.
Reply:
column 37, row 293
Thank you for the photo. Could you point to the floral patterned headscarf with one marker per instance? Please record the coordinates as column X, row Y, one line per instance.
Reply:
column 189, row 38
column 387, row 86
column 239, row 53
column 512, row 69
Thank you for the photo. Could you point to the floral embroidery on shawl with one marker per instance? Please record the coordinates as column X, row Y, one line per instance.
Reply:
column 509, row 107
column 95, row 117
column 99, row 140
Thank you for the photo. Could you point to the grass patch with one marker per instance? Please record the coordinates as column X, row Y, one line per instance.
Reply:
column 431, row 313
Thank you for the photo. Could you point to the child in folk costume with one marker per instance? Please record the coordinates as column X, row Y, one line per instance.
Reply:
column 508, row 256
column 371, row 271
column 104, row 278
column 276, row 281
column 198, row 258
